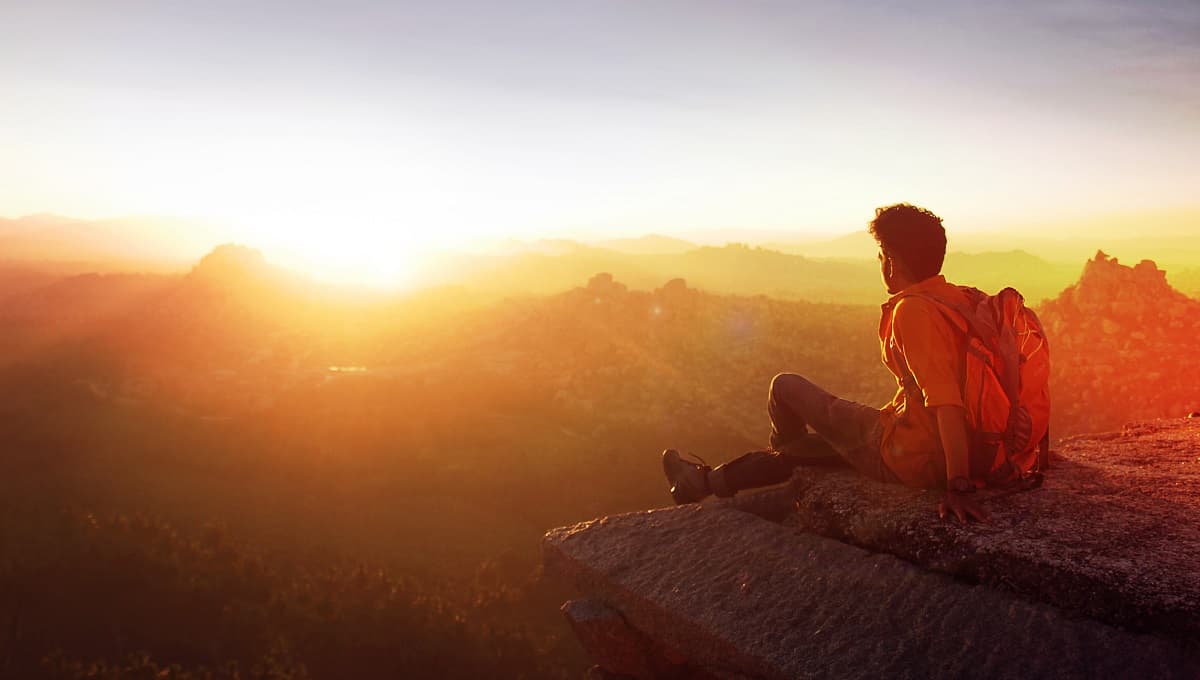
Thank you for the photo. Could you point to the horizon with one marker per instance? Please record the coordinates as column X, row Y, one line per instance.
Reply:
column 68, row 246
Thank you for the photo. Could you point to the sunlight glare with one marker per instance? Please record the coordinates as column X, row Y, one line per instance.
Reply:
column 345, row 249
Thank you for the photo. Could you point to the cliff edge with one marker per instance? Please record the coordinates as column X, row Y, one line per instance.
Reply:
column 1095, row 574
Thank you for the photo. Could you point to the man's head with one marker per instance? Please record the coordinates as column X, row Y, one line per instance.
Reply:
column 912, row 244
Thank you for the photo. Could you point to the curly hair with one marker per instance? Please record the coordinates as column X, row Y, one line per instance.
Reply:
column 914, row 236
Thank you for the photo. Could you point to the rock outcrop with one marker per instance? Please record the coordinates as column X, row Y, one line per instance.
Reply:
column 231, row 264
column 1092, row 575
column 1123, row 341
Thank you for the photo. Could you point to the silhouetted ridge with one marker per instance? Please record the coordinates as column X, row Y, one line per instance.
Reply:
column 231, row 263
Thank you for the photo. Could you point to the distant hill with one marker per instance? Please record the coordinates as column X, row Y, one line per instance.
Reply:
column 129, row 244
column 225, row 308
column 734, row 268
column 1036, row 278
column 858, row 245
column 241, row 272
column 1170, row 250
column 85, row 298
column 19, row 278
column 241, row 267
column 651, row 244
column 743, row 270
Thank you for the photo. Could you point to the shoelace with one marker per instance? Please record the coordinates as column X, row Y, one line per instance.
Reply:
column 694, row 457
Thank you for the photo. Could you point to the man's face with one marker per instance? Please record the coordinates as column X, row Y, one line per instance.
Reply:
column 887, row 271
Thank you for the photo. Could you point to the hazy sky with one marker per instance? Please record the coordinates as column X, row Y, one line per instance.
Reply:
column 401, row 124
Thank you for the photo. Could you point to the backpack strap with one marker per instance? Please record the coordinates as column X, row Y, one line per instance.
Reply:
column 1043, row 462
column 957, row 312
column 973, row 325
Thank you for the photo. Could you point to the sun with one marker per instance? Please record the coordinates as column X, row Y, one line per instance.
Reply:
column 334, row 210
column 359, row 250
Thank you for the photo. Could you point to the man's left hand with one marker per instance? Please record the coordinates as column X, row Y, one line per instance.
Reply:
column 963, row 506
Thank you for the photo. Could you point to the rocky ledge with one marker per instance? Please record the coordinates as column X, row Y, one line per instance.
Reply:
column 1095, row 574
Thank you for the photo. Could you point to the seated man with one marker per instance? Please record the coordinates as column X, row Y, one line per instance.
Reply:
column 903, row 442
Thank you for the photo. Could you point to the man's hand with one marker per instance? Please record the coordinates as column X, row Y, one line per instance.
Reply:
column 952, row 426
column 963, row 506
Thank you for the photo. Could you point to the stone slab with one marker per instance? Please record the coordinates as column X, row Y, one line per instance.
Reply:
column 1114, row 534
column 736, row 594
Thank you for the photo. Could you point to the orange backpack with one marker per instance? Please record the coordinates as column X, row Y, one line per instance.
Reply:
column 1006, row 386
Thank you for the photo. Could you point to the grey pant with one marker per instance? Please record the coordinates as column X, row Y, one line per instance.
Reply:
column 841, row 432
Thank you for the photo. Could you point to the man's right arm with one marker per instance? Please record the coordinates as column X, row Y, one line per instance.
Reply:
column 956, row 444
column 930, row 347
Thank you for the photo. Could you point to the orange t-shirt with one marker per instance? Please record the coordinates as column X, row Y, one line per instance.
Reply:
column 914, row 332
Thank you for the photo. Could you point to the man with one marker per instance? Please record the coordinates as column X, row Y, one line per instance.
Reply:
column 919, row 439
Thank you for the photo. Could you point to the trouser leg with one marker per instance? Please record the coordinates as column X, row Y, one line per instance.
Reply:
column 840, row 430
column 795, row 405
column 785, row 403
column 767, row 468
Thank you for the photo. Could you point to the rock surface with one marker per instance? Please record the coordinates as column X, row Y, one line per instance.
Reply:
column 739, row 596
column 1096, row 574
column 618, row 648
column 1114, row 533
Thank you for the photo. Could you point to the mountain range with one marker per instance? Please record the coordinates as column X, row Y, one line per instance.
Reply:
column 38, row 249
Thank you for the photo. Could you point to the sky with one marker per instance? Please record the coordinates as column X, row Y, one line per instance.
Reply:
column 341, row 131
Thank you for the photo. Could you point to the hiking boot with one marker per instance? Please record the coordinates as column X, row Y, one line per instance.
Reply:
column 688, row 480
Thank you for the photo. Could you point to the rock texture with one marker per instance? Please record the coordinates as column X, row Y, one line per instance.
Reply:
column 1122, row 340
column 1114, row 533
column 1096, row 574
column 738, row 596
column 618, row 648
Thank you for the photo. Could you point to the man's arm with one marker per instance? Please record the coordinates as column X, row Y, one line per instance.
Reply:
column 930, row 347
column 956, row 443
